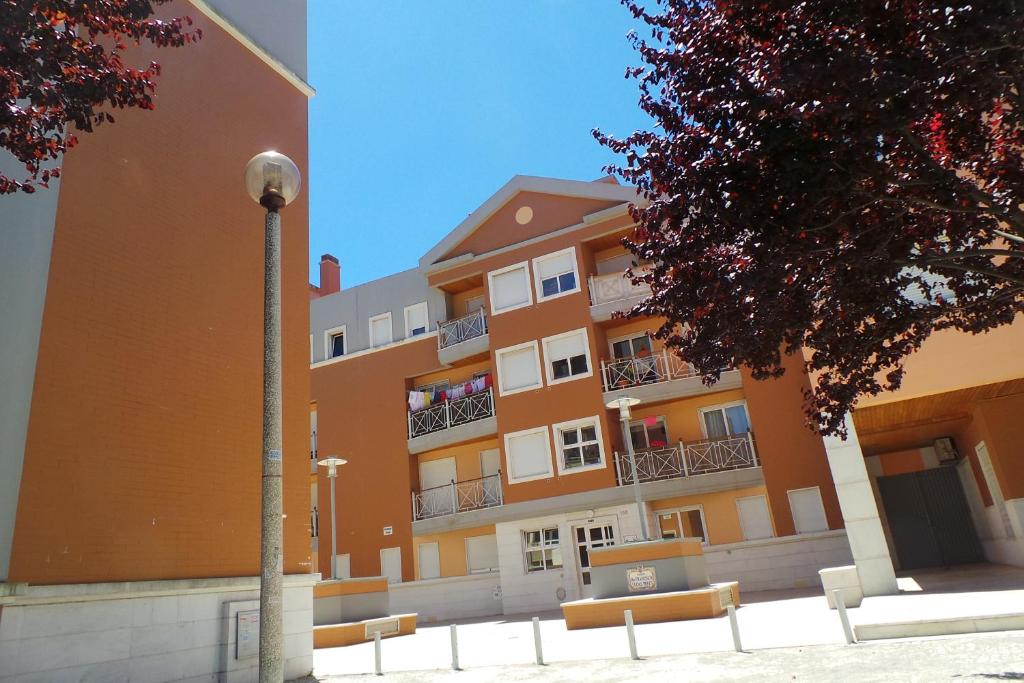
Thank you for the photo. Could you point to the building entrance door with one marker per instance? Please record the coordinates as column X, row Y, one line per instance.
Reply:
column 586, row 538
column 929, row 519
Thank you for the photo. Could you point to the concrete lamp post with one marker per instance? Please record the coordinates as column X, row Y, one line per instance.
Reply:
column 273, row 180
column 623, row 405
column 332, row 463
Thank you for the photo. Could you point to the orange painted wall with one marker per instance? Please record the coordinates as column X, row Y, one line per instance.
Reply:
column 720, row 512
column 143, row 453
column 966, row 439
column 901, row 462
column 791, row 455
column 451, row 548
column 361, row 416
column 459, row 300
column 467, row 457
column 1003, row 425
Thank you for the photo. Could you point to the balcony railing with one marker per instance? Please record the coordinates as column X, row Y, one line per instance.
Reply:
column 452, row 413
column 452, row 332
column 462, row 496
column 312, row 452
column 639, row 370
column 616, row 287
column 689, row 459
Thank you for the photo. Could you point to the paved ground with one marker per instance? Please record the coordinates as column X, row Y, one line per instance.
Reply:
column 985, row 657
column 784, row 632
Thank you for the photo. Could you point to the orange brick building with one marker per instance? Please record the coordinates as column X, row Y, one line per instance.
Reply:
column 131, row 420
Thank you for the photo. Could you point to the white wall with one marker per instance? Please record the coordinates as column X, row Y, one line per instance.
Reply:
column 460, row 597
column 278, row 26
column 145, row 631
column 777, row 563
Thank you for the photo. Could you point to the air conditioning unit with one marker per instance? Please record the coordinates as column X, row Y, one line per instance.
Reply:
column 945, row 449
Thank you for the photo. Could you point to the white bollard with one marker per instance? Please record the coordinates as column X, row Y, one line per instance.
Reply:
column 455, row 648
column 735, row 628
column 844, row 619
column 630, row 634
column 536, row 641
column 376, row 653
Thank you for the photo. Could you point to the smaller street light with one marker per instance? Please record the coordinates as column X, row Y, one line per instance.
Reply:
column 623, row 405
column 332, row 463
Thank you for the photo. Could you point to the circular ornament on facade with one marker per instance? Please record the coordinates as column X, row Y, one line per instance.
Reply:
column 524, row 215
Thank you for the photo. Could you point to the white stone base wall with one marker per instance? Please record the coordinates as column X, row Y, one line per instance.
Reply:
column 777, row 563
column 144, row 631
column 460, row 597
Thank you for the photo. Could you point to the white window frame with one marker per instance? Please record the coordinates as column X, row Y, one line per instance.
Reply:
column 508, row 455
column 539, row 287
column 678, row 513
column 391, row 329
column 536, row 360
column 426, row 317
column 483, row 304
column 821, row 502
column 525, row 266
column 549, row 371
column 722, row 407
column 543, row 547
column 612, row 341
column 328, row 334
column 556, row 431
column 490, row 570
column 639, row 421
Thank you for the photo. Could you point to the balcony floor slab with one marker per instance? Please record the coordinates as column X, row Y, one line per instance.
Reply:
column 454, row 435
column 676, row 388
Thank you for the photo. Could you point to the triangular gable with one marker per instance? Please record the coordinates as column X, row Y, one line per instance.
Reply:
column 526, row 207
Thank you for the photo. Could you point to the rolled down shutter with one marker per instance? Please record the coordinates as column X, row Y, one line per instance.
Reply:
column 519, row 369
column 482, row 553
column 556, row 265
column 511, row 288
column 566, row 347
column 529, row 455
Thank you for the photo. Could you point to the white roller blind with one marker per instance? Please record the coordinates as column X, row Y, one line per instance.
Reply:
column 529, row 455
column 754, row 519
column 808, row 511
column 509, row 289
column 566, row 347
column 556, row 265
column 380, row 331
column 416, row 316
column 518, row 369
column 430, row 561
column 482, row 553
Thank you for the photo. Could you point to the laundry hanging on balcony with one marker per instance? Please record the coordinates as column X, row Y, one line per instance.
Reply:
column 419, row 400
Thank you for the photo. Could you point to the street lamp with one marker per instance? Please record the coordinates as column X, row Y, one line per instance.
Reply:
column 332, row 463
column 623, row 405
column 273, row 180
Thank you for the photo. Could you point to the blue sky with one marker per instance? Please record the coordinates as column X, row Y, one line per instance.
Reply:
column 426, row 108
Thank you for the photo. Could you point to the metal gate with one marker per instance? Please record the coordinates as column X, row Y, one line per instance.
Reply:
column 929, row 519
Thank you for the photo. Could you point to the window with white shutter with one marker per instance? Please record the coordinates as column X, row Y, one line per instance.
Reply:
column 509, row 288
column 755, row 521
column 482, row 554
column 567, row 356
column 555, row 274
column 380, row 329
column 416, row 319
column 518, row 368
column 528, row 455
column 808, row 510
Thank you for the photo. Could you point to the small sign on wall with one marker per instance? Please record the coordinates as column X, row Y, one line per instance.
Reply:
column 641, row 579
column 248, row 629
column 388, row 531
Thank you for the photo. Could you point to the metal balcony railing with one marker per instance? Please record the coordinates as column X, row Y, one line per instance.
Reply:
column 649, row 369
column 688, row 459
column 452, row 332
column 312, row 452
column 452, row 413
column 462, row 496
column 616, row 287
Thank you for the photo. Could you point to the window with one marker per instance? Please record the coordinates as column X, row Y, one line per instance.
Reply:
column 509, row 288
column 518, row 368
column 567, row 356
column 650, row 433
column 579, row 445
column 685, row 522
column 334, row 342
column 439, row 385
column 380, row 330
column 430, row 561
column 555, row 274
column 725, row 420
column 808, row 511
column 482, row 554
column 528, row 455
column 542, row 550
column 629, row 347
column 755, row 522
column 416, row 319
column 474, row 304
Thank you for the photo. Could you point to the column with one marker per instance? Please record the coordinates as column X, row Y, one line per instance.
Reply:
column 860, row 513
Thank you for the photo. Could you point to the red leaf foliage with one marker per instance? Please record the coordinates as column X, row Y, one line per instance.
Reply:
column 842, row 178
column 60, row 62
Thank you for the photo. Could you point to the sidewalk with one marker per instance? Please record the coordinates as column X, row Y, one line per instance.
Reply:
column 777, row 619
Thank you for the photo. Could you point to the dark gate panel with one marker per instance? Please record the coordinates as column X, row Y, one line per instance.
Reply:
column 929, row 519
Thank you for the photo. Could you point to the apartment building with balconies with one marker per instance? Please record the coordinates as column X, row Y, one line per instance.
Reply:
column 469, row 396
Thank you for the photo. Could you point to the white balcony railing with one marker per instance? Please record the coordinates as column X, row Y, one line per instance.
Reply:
column 462, row 496
column 650, row 369
column 452, row 332
column 616, row 287
column 688, row 459
column 452, row 413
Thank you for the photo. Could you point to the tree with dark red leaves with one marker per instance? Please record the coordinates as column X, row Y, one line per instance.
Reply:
column 838, row 178
column 61, row 63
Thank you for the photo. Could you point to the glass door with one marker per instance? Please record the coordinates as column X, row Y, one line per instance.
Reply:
column 588, row 537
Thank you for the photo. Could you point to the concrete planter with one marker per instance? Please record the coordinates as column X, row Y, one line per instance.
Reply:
column 845, row 579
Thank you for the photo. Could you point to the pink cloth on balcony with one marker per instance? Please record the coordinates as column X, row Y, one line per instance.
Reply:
column 418, row 400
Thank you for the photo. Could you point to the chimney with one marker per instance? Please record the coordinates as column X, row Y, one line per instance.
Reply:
column 330, row 275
